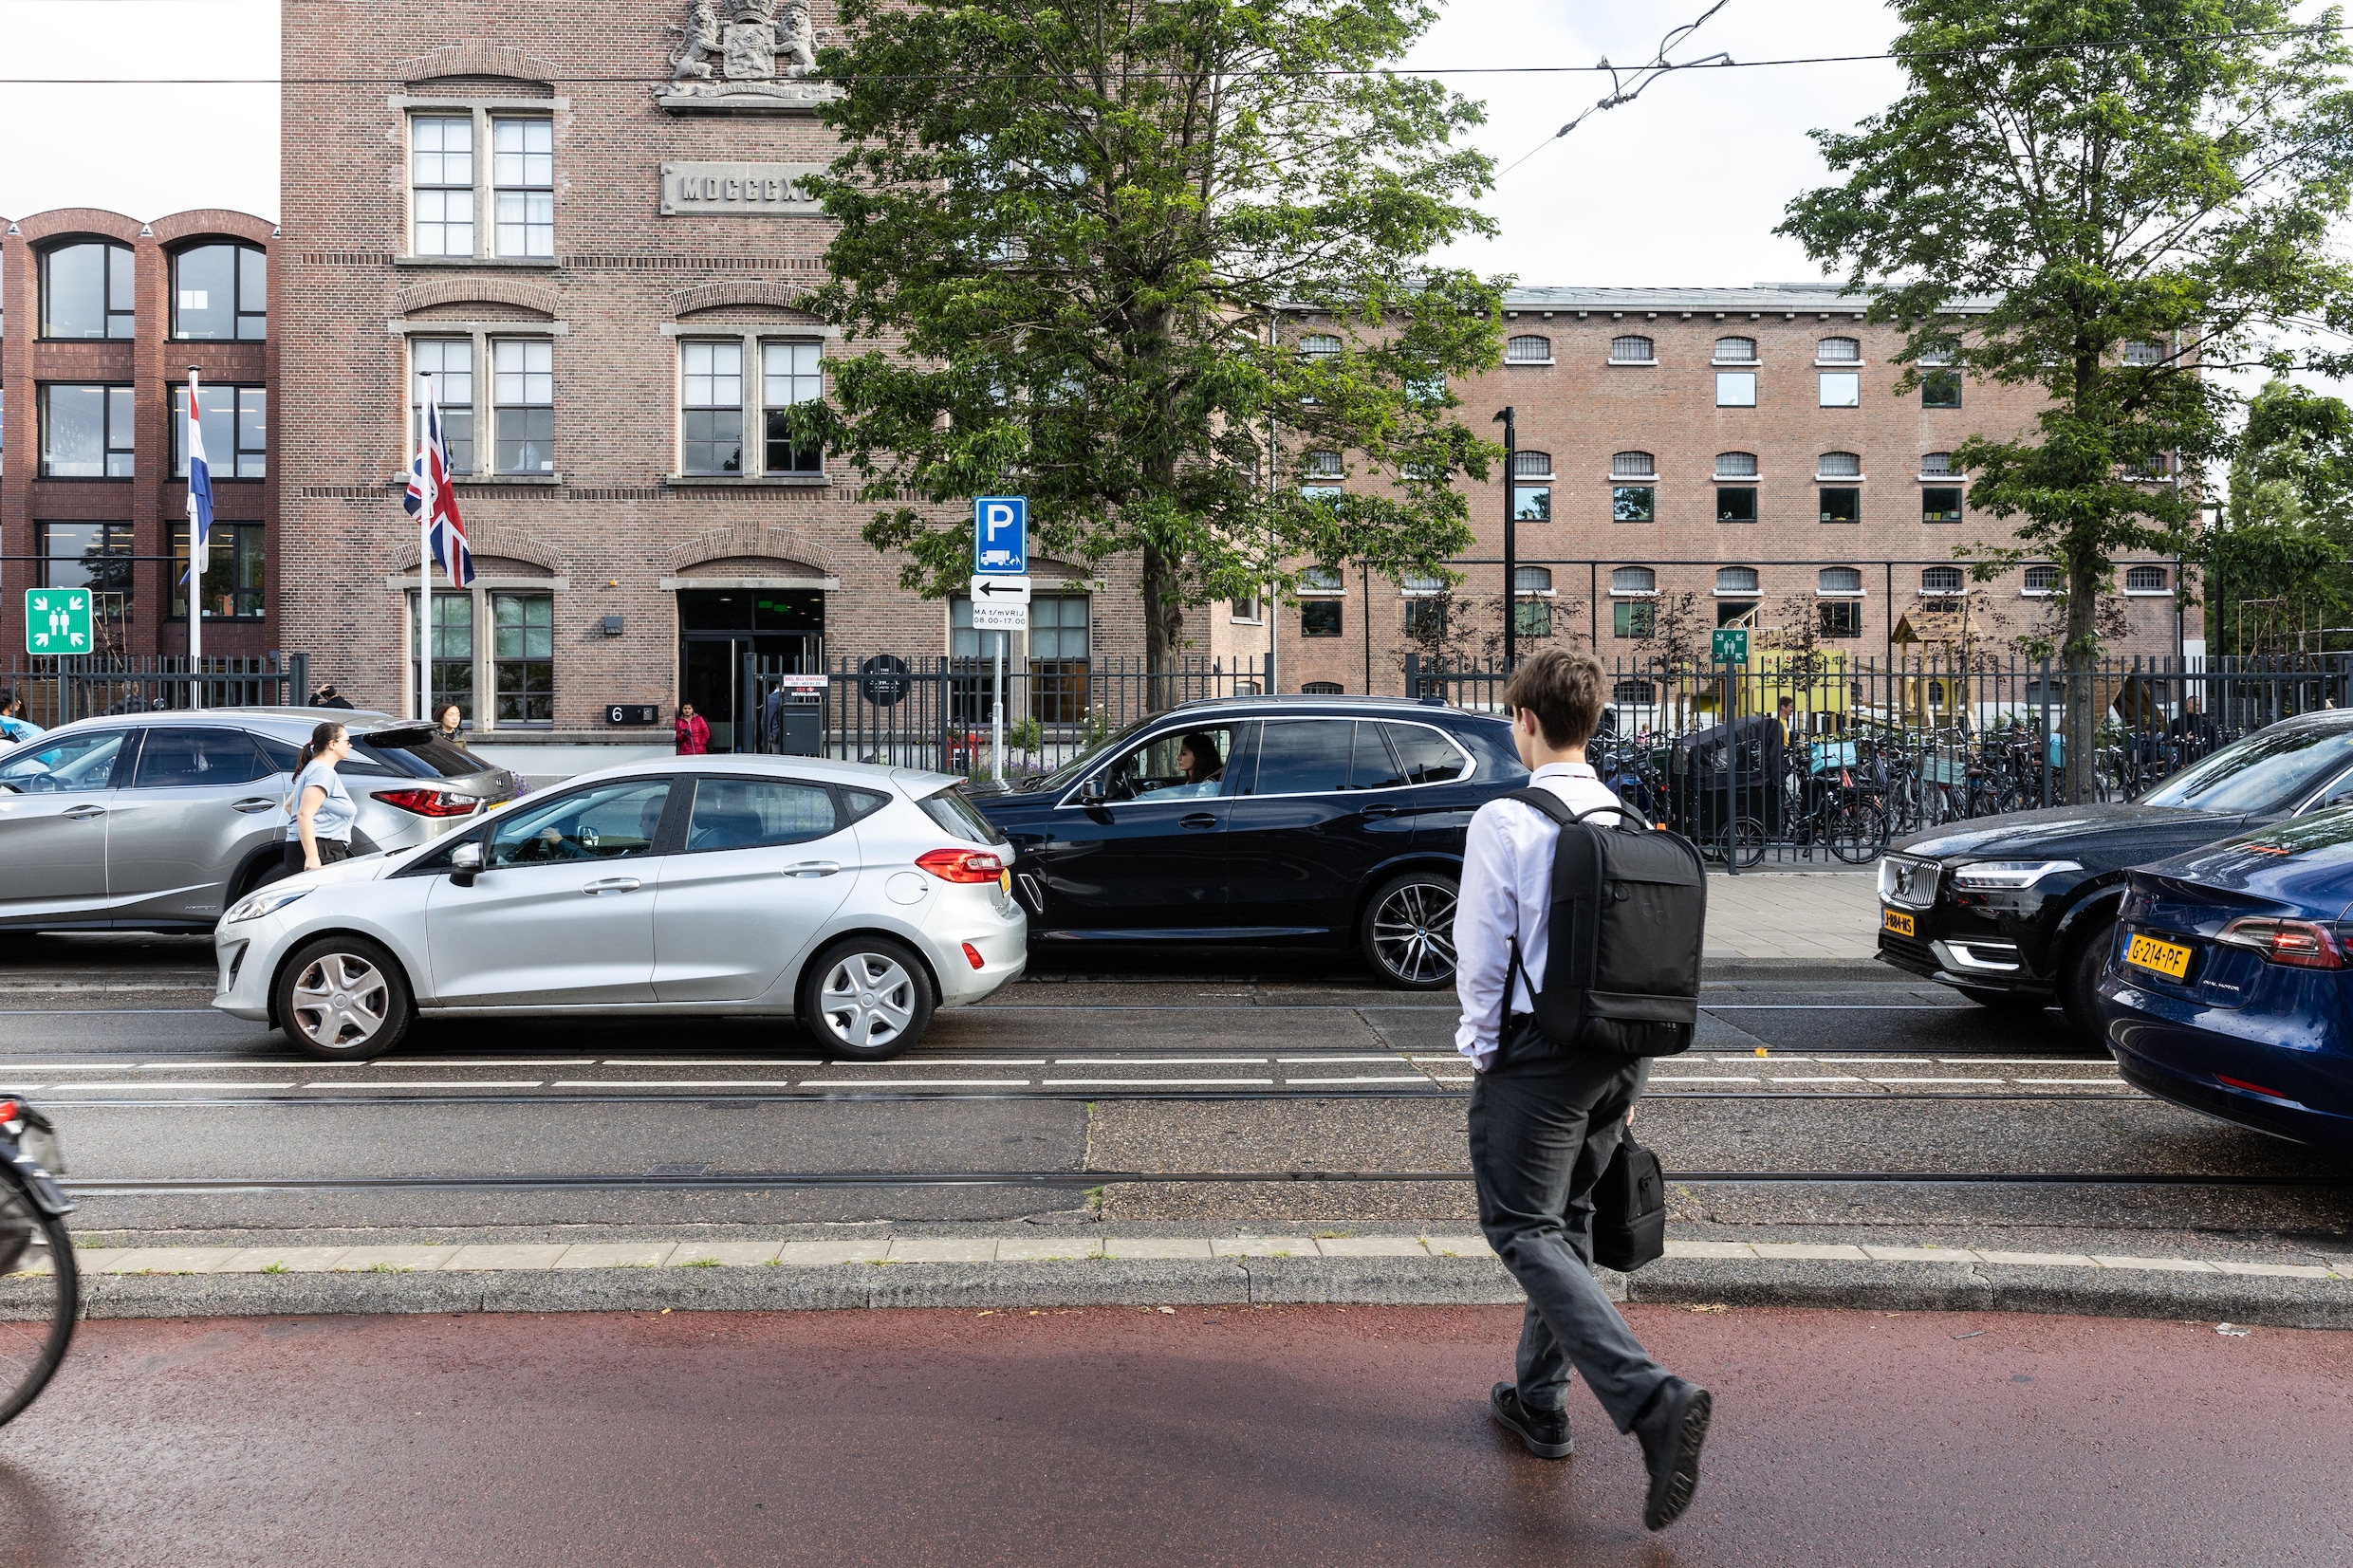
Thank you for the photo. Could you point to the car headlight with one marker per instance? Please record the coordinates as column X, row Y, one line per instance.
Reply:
column 267, row 901
column 2008, row 874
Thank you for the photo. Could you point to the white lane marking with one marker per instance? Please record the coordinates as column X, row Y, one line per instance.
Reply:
column 434, row 1083
column 671, row 1083
column 1939, row 1080
column 153, row 1084
column 1161, row 1060
column 1409, row 1078
column 1318, row 1061
column 1658, row 1079
column 1827, row 1077
column 1156, row 1082
column 698, row 1061
column 917, row 1083
column 466, row 1061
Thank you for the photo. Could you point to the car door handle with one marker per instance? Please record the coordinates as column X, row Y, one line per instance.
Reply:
column 812, row 868
column 611, row 884
column 1382, row 810
column 257, row 803
column 1200, row 819
column 83, row 813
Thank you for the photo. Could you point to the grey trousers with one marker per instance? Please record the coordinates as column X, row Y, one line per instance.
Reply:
column 1541, row 1135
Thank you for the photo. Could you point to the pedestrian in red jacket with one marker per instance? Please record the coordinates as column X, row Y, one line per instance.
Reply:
column 694, row 734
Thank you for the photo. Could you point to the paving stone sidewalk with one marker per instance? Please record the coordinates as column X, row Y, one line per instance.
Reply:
column 1827, row 917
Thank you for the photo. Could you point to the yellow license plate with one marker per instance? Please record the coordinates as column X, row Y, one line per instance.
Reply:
column 2170, row 959
column 1900, row 924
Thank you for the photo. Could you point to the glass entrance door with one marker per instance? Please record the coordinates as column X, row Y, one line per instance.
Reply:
column 718, row 627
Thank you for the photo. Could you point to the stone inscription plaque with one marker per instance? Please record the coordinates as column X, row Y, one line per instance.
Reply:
column 738, row 189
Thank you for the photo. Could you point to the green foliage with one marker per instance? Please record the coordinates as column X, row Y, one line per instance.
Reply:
column 2085, row 175
column 2287, row 531
column 1084, row 238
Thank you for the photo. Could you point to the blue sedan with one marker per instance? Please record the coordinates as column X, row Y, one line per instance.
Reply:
column 2229, row 986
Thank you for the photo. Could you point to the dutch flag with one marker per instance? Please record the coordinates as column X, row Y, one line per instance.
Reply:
column 199, row 486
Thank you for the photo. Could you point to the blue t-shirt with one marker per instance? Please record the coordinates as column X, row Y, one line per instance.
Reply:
column 336, row 813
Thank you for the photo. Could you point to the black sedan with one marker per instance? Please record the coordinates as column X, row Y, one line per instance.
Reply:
column 1268, row 822
column 2018, row 911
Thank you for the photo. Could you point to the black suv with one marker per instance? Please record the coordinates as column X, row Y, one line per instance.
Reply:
column 1308, row 822
column 2018, row 911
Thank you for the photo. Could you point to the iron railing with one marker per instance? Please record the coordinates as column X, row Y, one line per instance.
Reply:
column 58, row 691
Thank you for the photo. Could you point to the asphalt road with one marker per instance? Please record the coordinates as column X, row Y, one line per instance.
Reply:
column 1236, row 1088
column 1212, row 1437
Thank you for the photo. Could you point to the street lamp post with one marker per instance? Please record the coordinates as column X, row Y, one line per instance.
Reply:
column 1510, row 540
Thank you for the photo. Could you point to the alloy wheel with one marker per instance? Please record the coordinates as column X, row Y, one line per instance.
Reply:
column 1414, row 933
column 867, row 1001
column 340, row 1002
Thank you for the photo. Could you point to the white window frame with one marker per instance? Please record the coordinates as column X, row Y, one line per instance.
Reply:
column 1532, row 478
column 1721, row 359
column 1827, row 376
column 482, row 111
column 1306, row 589
column 1829, row 476
column 1255, row 606
column 1733, row 379
column 472, row 187
column 1927, row 592
column 2163, row 590
column 1722, row 473
column 754, row 342
column 1633, row 337
column 1648, row 472
column 1424, row 585
column 499, row 188
column 2026, row 582
column 1530, row 337
column 1651, row 592
column 1858, row 591
column 1756, row 590
column 1846, row 363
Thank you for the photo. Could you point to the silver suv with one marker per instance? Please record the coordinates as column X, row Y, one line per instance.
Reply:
column 159, row 822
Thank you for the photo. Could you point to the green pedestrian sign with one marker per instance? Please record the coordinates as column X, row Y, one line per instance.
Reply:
column 57, row 620
column 1728, row 645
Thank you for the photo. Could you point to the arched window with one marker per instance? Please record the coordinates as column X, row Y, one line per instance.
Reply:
column 1839, row 465
column 2041, row 580
column 87, row 291
column 1941, row 580
column 1531, row 579
column 1738, row 581
column 1532, row 465
column 1528, row 349
column 1633, row 580
column 1936, row 465
column 1317, row 345
column 1322, row 689
column 1422, row 584
column 2144, row 580
column 1325, row 465
column 220, row 291
column 1632, row 465
column 1839, row 582
column 1735, row 464
column 1736, row 351
column 1839, row 351
column 2140, row 351
column 1631, row 351
column 1321, row 579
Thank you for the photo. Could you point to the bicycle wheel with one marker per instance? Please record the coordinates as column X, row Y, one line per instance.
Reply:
column 38, row 1296
column 1858, row 832
column 1745, row 840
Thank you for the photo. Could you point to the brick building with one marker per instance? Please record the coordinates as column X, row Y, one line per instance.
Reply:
column 1745, row 447
column 585, row 228
column 100, row 318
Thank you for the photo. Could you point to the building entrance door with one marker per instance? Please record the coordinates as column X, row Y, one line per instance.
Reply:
column 717, row 627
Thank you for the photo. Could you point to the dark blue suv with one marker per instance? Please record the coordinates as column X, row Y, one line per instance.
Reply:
column 1307, row 821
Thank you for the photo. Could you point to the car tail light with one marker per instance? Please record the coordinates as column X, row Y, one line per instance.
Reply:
column 2251, row 1088
column 2301, row 944
column 429, row 802
column 971, row 957
column 962, row 865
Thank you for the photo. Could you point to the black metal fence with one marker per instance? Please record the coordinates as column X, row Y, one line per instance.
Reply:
column 57, row 690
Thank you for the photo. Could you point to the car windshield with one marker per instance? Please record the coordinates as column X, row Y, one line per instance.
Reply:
column 1068, row 772
column 2266, row 772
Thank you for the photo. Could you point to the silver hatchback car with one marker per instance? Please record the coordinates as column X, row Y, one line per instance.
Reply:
column 159, row 822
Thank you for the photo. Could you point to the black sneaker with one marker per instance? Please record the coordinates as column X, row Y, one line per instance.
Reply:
column 1672, row 1430
column 1546, row 1432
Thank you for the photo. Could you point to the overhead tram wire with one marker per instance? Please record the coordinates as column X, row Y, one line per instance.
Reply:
column 1984, row 51
column 1641, row 77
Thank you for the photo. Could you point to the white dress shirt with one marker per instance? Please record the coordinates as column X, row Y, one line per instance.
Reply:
column 1506, row 891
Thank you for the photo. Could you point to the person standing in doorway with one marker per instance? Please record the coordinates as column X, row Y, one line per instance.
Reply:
column 320, row 835
column 694, row 734
column 1544, row 1121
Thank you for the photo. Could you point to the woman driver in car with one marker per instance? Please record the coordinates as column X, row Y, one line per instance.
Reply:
column 1203, row 768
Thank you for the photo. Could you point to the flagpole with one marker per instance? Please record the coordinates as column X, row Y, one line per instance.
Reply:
column 424, row 560
column 197, row 545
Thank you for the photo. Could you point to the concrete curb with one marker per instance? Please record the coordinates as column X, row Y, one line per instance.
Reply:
column 1221, row 1281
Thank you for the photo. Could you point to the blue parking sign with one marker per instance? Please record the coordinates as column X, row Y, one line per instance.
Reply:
column 1000, row 535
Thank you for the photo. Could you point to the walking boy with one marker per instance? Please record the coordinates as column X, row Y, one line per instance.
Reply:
column 1543, row 1125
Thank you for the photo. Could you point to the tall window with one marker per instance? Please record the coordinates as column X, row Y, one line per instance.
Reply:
column 523, row 394
column 711, row 419
column 1838, row 602
column 86, row 431
column 1632, row 351
column 453, row 652
column 1839, row 351
column 1322, row 591
column 1941, row 580
column 1940, row 382
column 236, row 431
column 1842, row 389
column 1532, row 501
column 232, row 571
column 1425, row 604
column 442, row 185
column 450, row 363
column 1940, row 504
column 790, row 373
column 88, row 290
column 1735, row 464
column 220, row 291
column 1736, row 351
column 1528, row 349
column 1531, row 600
column 1057, row 657
column 522, row 656
column 1735, row 389
column 1633, row 591
column 523, row 177
column 95, row 556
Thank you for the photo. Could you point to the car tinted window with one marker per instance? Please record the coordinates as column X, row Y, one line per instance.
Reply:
column 282, row 755
column 428, row 756
column 750, row 812
column 188, row 759
column 1304, row 756
column 64, row 764
column 863, row 804
column 952, row 811
column 607, row 822
column 1372, row 766
column 2264, row 772
column 1429, row 757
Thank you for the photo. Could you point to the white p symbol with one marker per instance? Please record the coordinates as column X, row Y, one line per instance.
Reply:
column 998, row 516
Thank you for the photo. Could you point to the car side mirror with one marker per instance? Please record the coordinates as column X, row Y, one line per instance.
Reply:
column 466, row 863
column 1091, row 792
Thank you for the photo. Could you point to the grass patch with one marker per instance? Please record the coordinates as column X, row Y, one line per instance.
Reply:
column 276, row 1268
column 696, row 1262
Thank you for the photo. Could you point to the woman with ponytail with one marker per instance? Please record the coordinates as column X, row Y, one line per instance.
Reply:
column 320, row 833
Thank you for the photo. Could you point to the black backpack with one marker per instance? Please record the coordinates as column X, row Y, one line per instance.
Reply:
column 1629, row 909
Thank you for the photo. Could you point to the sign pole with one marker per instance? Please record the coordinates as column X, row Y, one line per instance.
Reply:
column 199, row 548
column 1000, row 590
column 996, row 715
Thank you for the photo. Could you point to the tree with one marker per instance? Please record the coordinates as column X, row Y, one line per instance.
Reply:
column 2287, row 528
column 1089, row 239
column 2086, row 176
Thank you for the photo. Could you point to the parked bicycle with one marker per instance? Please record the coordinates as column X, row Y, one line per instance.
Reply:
column 40, row 1288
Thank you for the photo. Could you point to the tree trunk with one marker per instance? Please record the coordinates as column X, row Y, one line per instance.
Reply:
column 1164, row 626
column 2078, row 658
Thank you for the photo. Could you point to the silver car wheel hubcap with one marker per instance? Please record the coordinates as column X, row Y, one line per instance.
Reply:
column 1414, row 932
column 867, row 1000
column 340, row 1002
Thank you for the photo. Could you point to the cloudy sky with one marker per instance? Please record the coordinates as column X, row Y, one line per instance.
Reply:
column 1682, row 187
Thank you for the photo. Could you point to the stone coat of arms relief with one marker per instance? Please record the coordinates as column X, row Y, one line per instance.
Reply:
column 751, row 55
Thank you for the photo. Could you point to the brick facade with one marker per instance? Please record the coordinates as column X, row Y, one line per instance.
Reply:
column 153, row 363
